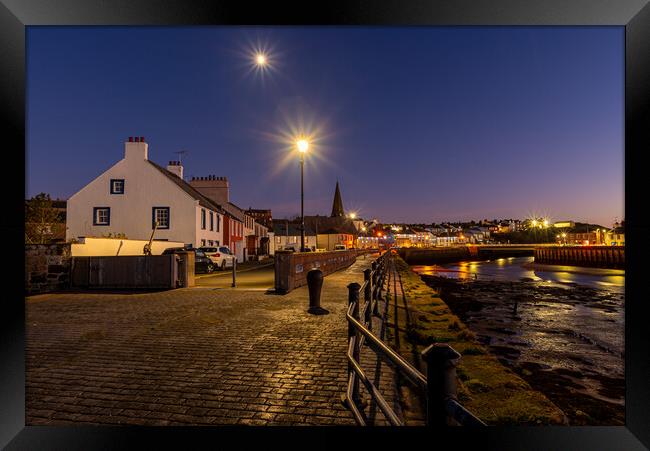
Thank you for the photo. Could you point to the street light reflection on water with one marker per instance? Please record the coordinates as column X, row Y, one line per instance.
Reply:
column 522, row 268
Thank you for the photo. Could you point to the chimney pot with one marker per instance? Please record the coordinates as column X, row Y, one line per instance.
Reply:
column 141, row 139
column 130, row 139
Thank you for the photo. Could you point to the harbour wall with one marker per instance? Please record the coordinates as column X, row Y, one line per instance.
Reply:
column 429, row 256
column 591, row 256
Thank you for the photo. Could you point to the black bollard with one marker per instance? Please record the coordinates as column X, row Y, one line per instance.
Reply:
column 315, row 284
column 441, row 362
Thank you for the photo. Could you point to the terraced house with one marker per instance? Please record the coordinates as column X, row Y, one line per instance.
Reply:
column 135, row 194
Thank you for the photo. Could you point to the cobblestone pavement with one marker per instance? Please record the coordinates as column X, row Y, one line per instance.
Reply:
column 199, row 356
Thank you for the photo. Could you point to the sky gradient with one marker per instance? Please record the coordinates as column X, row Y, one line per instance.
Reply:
column 418, row 124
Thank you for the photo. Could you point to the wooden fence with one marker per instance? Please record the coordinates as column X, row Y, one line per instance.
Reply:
column 125, row 272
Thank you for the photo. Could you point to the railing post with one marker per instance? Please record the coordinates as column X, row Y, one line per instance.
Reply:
column 381, row 268
column 373, row 293
column 441, row 362
column 353, row 299
column 367, row 297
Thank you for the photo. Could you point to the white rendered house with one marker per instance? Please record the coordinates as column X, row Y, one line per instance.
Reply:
column 134, row 193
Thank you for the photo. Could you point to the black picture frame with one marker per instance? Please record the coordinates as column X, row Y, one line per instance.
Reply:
column 634, row 15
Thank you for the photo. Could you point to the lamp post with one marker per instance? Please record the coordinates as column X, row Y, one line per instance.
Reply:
column 303, row 146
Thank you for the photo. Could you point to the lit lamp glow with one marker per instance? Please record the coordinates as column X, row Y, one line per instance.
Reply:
column 260, row 59
column 303, row 145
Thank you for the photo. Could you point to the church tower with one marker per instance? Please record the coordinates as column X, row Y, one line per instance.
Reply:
column 337, row 206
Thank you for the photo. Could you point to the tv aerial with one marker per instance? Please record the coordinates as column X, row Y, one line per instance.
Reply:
column 180, row 153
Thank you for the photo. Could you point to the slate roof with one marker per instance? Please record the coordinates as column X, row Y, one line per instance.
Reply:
column 329, row 225
column 280, row 229
column 182, row 184
column 234, row 211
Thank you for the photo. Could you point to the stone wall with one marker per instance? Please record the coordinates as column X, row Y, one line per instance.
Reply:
column 291, row 268
column 597, row 256
column 47, row 267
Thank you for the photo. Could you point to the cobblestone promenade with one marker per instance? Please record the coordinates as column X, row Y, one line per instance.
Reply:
column 199, row 356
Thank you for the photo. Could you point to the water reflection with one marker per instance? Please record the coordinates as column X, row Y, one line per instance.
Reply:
column 515, row 269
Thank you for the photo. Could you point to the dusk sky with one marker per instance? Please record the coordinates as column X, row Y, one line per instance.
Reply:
column 418, row 124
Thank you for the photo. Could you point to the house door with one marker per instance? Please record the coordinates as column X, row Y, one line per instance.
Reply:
column 250, row 244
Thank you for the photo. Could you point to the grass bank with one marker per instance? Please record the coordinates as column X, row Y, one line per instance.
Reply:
column 487, row 388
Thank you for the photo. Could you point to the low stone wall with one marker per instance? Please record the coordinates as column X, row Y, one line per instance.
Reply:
column 47, row 267
column 414, row 256
column 597, row 256
column 291, row 268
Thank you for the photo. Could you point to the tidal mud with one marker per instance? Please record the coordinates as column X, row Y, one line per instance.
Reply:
column 565, row 341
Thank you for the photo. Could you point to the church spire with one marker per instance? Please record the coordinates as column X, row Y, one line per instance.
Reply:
column 337, row 206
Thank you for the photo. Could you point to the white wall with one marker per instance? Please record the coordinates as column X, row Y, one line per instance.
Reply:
column 131, row 213
column 280, row 241
column 95, row 247
column 207, row 234
column 328, row 241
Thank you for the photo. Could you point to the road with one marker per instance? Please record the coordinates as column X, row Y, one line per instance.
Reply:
column 258, row 278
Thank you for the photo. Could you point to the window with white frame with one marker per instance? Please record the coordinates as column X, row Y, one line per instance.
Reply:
column 117, row 186
column 160, row 215
column 101, row 216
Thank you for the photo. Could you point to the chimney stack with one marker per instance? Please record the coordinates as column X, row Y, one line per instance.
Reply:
column 175, row 168
column 213, row 187
column 136, row 149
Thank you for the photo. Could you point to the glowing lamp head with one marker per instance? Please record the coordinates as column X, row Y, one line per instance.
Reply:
column 260, row 59
column 353, row 215
column 303, row 145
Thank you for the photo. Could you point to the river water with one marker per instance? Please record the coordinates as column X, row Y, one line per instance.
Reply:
column 560, row 327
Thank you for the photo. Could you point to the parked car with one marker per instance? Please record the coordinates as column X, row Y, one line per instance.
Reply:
column 340, row 247
column 221, row 256
column 202, row 264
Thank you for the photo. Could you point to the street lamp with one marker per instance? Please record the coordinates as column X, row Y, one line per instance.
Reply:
column 260, row 59
column 302, row 145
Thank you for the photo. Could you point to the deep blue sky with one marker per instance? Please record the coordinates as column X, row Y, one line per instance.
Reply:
column 418, row 124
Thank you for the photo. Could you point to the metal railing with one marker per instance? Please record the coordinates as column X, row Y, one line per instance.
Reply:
column 439, row 386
